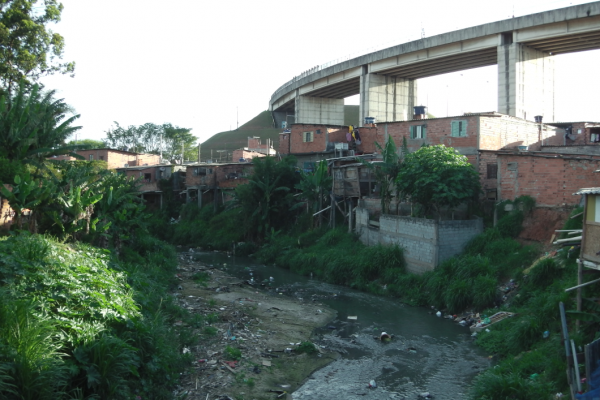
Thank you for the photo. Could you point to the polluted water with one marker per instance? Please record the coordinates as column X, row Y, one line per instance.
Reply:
column 388, row 350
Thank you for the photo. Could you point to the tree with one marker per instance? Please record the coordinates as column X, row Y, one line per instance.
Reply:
column 34, row 125
column 315, row 187
column 386, row 172
column 436, row 177
column 155, row 139
column 28, row 49
column 87, row 143
column 265, row 201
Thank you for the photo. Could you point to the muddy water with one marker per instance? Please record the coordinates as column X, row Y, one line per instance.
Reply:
column 427, row 353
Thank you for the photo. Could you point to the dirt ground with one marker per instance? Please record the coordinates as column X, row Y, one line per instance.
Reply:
column 266, row 329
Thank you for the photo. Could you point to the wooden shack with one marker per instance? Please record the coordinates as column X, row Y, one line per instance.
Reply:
column 590, row 241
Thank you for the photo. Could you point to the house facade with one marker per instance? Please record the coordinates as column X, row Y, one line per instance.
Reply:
column 205, row 182
column 115, row 158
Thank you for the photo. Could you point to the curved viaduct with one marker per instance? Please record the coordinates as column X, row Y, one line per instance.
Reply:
column 386, row 80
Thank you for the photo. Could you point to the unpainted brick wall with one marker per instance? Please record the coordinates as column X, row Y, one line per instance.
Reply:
column 329, row 134
column 549, row 179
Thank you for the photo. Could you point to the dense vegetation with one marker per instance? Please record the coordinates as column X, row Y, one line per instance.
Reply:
column 84, row 305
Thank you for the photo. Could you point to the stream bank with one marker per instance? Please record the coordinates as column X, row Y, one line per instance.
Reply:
column 427, row 353
column 258, row 325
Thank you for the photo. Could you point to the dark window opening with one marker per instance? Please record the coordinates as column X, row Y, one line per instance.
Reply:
column 101, row 158
column 147, row 177
column 492, row 194
column 492, row 171
column 595, row 135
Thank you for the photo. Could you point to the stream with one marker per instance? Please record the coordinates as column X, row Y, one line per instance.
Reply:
column 427, row 354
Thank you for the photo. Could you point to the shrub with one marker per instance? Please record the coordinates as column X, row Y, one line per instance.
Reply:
column 306, row 347
column 232, row 353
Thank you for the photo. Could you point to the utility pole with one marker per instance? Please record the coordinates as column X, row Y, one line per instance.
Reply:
column 237, row 117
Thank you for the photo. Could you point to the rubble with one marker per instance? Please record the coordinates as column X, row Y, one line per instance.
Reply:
column 261, row 328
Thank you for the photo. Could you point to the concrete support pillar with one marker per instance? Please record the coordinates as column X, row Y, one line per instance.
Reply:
column 525, row 82
column 319, row 110
column 386, row 98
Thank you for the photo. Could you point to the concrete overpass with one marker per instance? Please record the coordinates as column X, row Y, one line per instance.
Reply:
column 386, row 80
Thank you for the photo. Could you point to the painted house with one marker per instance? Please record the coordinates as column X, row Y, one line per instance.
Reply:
column 115, row 158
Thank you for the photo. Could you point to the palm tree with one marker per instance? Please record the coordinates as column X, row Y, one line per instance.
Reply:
column 34, row 126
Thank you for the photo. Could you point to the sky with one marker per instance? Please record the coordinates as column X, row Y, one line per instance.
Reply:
column 211, row 65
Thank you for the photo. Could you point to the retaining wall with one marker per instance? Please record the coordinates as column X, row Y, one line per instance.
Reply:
column 426, row 242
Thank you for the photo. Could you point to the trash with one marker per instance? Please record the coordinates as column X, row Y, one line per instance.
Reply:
column 425, row 395
column 372, row 384
column 546, row 334
column 288, row 350
column 266, row 363
column 438, row 314
column 256, row 370
column 179, row 287
column 352, row 317
column 385, row 337
column 186, row 350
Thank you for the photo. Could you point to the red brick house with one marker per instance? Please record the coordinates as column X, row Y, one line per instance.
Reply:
column 149, row 176
column 214, row 181
column 115, row 158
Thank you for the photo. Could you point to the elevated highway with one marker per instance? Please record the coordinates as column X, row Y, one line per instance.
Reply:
column 523, row 48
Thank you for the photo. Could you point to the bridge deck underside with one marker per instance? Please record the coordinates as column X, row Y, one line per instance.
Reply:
column 567, row 44
column 340, row 90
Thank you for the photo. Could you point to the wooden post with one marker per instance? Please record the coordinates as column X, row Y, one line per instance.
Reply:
column 350, row 216
column 199, row 197
column 161, row 200
column 579, row 282
column 333, row 210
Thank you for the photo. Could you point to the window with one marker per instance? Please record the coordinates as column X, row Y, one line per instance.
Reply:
column 147, row 177
column 459, row 128
column 307, row 137
column 492, row 171
column 309, row 166
column 418, row 131
column 594, row 135
column 91, row 157
column 101, row 158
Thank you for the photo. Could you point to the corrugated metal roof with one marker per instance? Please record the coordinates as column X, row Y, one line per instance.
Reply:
column 594, row 190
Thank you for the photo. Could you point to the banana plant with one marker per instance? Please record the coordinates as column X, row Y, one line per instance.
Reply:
column 315, row 188
column 26, row 196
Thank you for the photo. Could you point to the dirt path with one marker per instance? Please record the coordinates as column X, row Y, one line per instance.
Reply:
column 264, row 331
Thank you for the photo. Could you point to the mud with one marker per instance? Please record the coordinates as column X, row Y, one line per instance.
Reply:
column 266, row 329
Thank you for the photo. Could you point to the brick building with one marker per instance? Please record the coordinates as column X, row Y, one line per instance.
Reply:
column 476, row 136
column 149, row 176
column 549, row 178
column 214, row 181
column 115, row 158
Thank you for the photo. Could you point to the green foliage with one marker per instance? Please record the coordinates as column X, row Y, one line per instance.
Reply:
column 306, row 347
column 231, row 353
column 26, row 194
column 315, row 187
column 201, row 278
column 87, row 144
column 165, row 139
column 31, row 49
column 34, row 125
column 436, row 177
column 265, row 202
column 544, row 273
column 385, row 172
column 74, row 319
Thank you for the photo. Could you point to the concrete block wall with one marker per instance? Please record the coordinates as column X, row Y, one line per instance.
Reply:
column 454, row 235
column 192, row 180
column 426, row 242
column 115, row 158
column 548, row 178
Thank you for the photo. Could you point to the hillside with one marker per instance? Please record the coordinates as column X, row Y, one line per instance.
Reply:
column 261, row 126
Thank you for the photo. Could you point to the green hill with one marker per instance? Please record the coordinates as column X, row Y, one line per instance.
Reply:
column 222, row 144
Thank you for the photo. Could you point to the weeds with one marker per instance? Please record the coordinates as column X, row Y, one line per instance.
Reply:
column 232, row 353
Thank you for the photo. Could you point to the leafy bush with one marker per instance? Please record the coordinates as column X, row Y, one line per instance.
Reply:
column 306, row 347
column 232, row 353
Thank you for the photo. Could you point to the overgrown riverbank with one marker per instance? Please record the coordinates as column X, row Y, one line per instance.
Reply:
column 495, row 272
column 79, row 322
